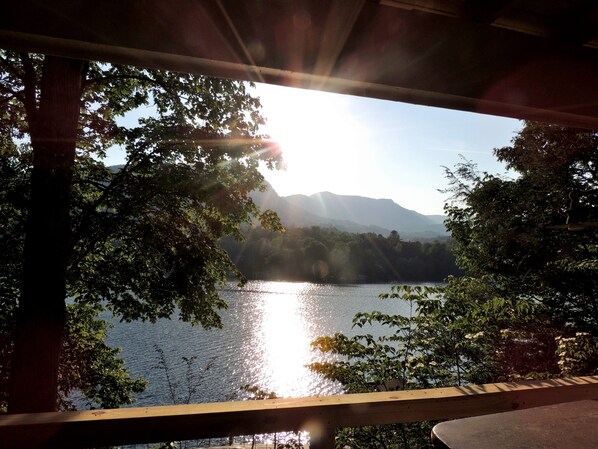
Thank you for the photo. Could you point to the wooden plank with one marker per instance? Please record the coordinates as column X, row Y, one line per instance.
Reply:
column 358, row 47
column 168, row 423
column 484, row 12
column 321, row 437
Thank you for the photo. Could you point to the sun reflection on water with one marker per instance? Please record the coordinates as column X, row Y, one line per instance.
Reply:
column 285, row 340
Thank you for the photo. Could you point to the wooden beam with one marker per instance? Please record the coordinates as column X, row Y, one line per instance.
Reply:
column 578, row 26
column 484, row 11
column 402, row 53
column 317, row 414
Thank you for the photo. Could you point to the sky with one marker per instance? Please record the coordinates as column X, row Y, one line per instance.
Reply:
column 380, row 149
column 352, row 145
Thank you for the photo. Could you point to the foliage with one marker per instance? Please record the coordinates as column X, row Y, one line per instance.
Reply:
column 181, row 392
column 511, row 228
column 144, row 235
column 527, row 307
column 578, row 354
column 465, row 332
column 290, row 443
column 88, row 367
column 91, row 367
column 194, row 377
column 383, row 359
column 256, row 393
column 329, row 255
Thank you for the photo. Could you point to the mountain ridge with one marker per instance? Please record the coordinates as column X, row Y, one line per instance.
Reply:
column 351, row 213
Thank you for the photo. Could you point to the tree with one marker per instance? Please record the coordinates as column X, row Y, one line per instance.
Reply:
column 140, row 240
column 527, row 305
column 408, row 350
column 330, row 255
column 514, row 229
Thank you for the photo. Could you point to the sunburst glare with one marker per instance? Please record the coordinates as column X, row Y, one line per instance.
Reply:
column 318, row 134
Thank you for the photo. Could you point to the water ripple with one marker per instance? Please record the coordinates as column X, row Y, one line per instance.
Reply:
column 265, row 341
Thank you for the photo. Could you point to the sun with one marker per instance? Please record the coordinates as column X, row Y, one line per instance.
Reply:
column 322, row 141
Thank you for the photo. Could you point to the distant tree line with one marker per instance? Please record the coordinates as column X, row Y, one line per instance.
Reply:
column 328, row 255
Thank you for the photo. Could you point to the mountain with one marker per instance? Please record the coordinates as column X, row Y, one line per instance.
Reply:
column 297, row 216
column 351, row 213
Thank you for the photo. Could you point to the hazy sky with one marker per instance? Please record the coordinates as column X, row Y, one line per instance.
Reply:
column 380, row 149
column 361, row 146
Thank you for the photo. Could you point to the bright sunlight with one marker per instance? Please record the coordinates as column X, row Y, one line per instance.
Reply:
column 286, row 350
column 317, row 134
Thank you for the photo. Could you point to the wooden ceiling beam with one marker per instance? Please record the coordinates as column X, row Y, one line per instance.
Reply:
column 485, row 12
column 578, row 27
column 355, row 47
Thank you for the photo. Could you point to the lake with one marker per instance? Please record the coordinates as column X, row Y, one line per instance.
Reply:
column 265, row 341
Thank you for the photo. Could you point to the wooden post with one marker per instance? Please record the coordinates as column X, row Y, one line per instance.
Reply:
column 321, row 438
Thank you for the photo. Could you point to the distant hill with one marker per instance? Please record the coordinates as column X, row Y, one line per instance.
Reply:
column 351, row 213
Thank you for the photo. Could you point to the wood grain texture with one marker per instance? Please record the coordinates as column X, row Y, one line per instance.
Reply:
column 314, row 414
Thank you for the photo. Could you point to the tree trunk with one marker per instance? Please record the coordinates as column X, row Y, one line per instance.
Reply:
column 41, row 313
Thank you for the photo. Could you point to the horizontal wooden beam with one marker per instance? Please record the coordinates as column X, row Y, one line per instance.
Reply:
column 357, row 47
column 319, row 415
column 484, row 12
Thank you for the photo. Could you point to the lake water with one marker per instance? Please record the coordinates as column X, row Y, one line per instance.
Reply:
column 265, row 341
